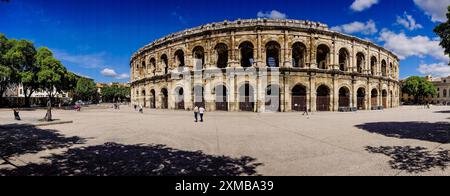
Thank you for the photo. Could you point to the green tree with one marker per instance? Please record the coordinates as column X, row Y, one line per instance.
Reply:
column 85, row 89
column 115, row 93
column 51, row 77
column 419, row 88
column 21, row 58
column 7, row 75
column 443, row 30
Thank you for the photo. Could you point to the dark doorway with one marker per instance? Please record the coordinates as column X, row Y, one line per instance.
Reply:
column 361, row 96
column 323, row 98
column 165, row 99
column 299, row 98
column 374, row 98
column 199, row 98
column 179, row 93
column 221, row 98
column 246, row 100
column 344, row 97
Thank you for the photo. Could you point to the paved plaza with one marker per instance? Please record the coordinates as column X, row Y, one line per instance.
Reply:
column 408, row 140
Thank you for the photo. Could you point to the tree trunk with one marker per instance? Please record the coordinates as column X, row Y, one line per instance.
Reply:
column 27, row 97
column 48, row 116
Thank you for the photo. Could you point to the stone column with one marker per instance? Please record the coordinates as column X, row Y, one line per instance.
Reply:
column 313, row 52
column 312, row 93
column 287, row 49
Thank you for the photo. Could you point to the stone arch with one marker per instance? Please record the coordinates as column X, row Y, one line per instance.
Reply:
column 198, row 54
column 374, row 97
column 344, row 59
column 198, row 97
column 165, row 63
column 179, row 58
column 323, row 101
column 221, row 55
column 273, row 101
column 164, row 98
column 360, row 62
column 361, row 98
column 153, row 65
column 273, row 54
column 323, row 56
column 221, row 93
column 246, row 97
column 299, row 53
column 384, row 95
column 373, row 65
column 246, row 50
column 152, row 98
column 299, row 96
column 344, row 97
column 179, row 98
column 383, row 68
column 143, row 94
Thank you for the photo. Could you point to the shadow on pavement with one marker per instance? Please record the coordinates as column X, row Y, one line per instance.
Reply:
column 23, row 139
column 413, row 159
column 113, row 159
column 434, row 132
column 443, row 112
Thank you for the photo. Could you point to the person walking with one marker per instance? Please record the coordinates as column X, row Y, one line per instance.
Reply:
column 305, row 111
column 141, row 109
column 196, row 110
column 202, row 112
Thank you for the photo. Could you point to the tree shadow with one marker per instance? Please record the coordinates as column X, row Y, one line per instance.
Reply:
column 413, row 159
column 113, row 159
column 23, row 139
column 433, row 132
column 443, row 112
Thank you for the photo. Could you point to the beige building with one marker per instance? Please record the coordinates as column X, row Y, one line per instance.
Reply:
column 264, row 65
column 443, row 88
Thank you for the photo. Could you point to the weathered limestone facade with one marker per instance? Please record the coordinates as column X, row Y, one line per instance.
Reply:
column 264, row 65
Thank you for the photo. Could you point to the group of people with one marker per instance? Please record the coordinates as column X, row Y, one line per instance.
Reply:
column 199, row 111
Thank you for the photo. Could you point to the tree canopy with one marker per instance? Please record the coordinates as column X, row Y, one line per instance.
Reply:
column 443, row 30
column 85, row 89
column 115, row 93
column 419, row 88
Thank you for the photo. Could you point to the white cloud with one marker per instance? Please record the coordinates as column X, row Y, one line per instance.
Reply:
column 408, row 22
column 361, row 5
column 368, row 28
column 436, row 70
column 405, row 46
column 274, row 14
column 83, row 60
column 112, row 73
column 437, row 9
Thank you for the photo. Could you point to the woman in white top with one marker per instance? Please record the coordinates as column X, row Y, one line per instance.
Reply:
column 201, row 111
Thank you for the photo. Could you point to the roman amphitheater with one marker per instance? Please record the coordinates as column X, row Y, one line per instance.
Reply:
column 264, row 65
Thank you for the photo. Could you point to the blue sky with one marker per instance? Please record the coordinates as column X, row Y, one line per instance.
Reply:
column 91, row 36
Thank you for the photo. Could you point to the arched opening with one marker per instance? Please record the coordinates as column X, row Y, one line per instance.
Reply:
column 152, row 99
column 153, row 66
column 164, row 99
column 273, row 54
column 222, row 55
column 246, row 98
column 384, row 95
column 179, row 98
column 323, row 55
column 273, row 101
column 383, row 68
column 360, row 62
column 165, row 63
column 179, row 58
column 247, row 57
column 144, row 68
column 199, row 57
column 143, row 94
column 360, row 99
column 323, row 98
column 373, row 66
column 299, row 98
column 391, row 70
column 221, row 98
column 344, row 59
column 344, row 97
column 199, row 97
column 374, row 98
column 298, row 55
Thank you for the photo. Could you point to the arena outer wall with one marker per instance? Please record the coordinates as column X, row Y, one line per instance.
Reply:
column 263, row 65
